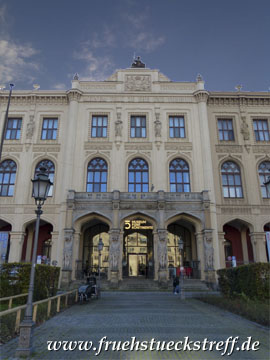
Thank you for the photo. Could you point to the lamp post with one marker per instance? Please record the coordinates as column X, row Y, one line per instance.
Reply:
column 181, row 248
column 41, row 187
column 100, row 248
column 267, row 185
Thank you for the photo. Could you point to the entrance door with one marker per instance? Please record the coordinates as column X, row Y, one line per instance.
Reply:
column 137, row 264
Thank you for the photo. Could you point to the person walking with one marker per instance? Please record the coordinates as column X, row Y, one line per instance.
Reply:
column 176, row 285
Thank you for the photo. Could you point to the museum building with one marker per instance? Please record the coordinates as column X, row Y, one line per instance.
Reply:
column 138, row 161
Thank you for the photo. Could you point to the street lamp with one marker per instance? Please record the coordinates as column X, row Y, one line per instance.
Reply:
column 100, row 248
column 267, row 185
column 41, row 187
column 181, row 248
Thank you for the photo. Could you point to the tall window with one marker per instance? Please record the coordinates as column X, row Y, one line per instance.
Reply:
column 261, row 129
column 50, row 170
column 138, row 127
column 13, row 130
column 7, row 177
column 177, row 126
column 99, row 126
column 49, row 129
column 138, row 176
column 225, row 130
column 231, row 180
column 179, row 176
column 97, row 176
column 264, row 173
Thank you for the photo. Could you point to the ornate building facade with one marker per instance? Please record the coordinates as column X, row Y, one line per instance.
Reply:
column 138, row 161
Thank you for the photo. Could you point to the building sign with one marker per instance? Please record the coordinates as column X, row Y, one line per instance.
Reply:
column 137, row 225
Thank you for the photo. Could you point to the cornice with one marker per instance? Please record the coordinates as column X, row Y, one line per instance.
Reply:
column 201, row 95
column 239, row 99
column 74, row 95
column 22, row 98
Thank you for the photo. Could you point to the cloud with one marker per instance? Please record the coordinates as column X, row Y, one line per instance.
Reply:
column 98, row 67
column 145, row 41
column 104, row 39
column 16, row 62
column 59, row 86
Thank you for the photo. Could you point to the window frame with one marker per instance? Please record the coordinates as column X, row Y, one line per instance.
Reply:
column 223, row 130
column 174, row 128
column 265, row 176
column 258, row 131
column 97, row 127
column 17, row 129
column 53, row 129
column 8, row 184
column 140, row 128
column 234, row 185
column 100, row 171
column 134, row 171
column 177, row 184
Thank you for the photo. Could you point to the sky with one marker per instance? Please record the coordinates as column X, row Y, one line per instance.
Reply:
column 47, row 42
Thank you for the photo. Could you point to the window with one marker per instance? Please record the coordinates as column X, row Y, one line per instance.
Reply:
column 138, row 127
column 179, row 176
column 231, row 180
column 49, row 165
column 13, row 130
column 264, row 173
column 177, row 127
column 225, row 130
column 97, row 176
column 49, row 129
column 261, row 130
column 138, row 176
column 7, row 177
column 99, row 126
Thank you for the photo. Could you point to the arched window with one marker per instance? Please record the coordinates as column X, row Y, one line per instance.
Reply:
column 264, row 173
column 138, row 176
column 97, row 176
column 231, row 180
column 7, row 177
column 179, row 176
column 49, row 165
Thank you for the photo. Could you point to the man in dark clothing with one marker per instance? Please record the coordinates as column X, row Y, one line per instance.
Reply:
column 176, row 285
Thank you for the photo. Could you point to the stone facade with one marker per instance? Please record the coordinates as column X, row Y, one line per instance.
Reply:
column 202, row 210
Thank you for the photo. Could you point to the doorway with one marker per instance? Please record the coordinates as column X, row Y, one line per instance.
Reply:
column 137, row 265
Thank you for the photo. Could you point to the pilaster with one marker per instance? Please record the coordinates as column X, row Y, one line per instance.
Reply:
column 259, row 248
column 222, row 241
column 162, row 257
column 16, row 243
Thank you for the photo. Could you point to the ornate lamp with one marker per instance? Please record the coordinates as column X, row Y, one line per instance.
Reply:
column 41, row 186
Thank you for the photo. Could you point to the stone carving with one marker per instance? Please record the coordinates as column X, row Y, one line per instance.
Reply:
column 244, row 129
column 229, row 149
column 137, row 63
column 138, row 83
column 208, row 251
column 118, row 125
column 67, row 260
column 30, row 128
column 157, row 126
column 114, row 250
column 76, row 76
column 162, row 250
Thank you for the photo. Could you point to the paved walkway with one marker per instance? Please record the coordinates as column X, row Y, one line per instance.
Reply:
column 162, row 316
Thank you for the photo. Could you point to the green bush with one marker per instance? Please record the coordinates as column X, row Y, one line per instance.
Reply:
column 15, row 277
column 252, row 281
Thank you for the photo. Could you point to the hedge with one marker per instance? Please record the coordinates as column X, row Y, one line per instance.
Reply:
column 251, row 280
column 15, row 277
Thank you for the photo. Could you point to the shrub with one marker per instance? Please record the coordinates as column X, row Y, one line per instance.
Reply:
column 251, row 280
column 15, row 277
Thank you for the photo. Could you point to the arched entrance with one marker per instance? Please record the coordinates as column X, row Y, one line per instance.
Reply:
column 5, row 229
column 188, row 258
column 44, row 252
column 138, row 255
column 94, row 231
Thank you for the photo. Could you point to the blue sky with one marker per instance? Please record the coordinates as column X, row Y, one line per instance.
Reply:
column 46, row 42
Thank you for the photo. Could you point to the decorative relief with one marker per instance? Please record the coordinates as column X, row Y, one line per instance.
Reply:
column 138, row 83
column 91, row 86
column 162, row 249
column 229, row 149
column 157, row 125
column 118, row 125
column 46, row 148
column 208, row 251
column 13, row 148
column 32, row 100
column 244, row 128
column 246, row 101
column 201, row 95
column 139, row 99
column 114, row 249
column 264, row 149
column 98, row 146
column 178, row 146
column 138, row 146
column 68, row 245
column 178, row 87
column 236, row 210
column 30, row 128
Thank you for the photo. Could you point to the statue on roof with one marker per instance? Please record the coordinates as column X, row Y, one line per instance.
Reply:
column 137, row 63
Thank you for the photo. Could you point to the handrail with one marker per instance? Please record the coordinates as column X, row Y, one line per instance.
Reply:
column 10, row 298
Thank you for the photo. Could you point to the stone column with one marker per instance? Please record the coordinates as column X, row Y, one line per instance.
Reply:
column 67, row 256
column 155, row 254
column 200, row 253
column 259, row 249
column 114, row 257
column 244, row 245
column 75, row 253
column 162, row 258
column 161, row 208
column 209, row 257
column 222, row 241
column 16, row 243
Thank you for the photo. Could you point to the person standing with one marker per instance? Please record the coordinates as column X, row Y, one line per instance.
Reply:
column 176, row 285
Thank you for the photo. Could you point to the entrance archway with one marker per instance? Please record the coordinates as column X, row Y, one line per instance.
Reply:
column 138, row 254
column 5, row 229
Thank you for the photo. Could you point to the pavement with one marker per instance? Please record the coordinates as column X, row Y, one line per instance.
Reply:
column 144, row 316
